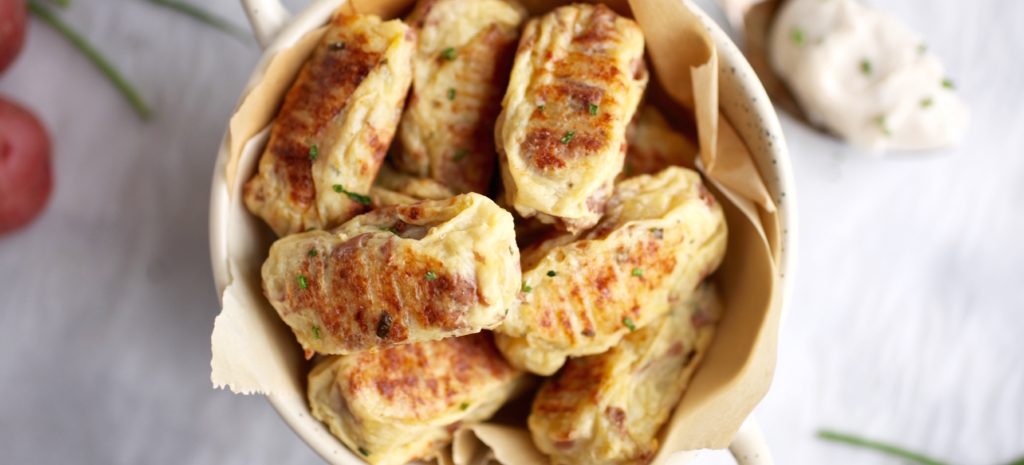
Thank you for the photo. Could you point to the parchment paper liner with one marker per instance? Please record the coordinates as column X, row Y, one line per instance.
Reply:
column 254, row 352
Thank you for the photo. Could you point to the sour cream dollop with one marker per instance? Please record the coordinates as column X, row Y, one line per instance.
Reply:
column 865, row 76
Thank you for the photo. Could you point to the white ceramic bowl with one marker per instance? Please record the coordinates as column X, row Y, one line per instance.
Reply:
column 742, row 99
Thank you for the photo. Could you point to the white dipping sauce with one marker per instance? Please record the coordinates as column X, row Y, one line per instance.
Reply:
column 865, row 76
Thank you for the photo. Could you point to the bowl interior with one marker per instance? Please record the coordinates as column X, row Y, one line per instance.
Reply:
column 742, row 100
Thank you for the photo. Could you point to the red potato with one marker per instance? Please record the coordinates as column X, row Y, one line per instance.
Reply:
column 12, row 30
column 25, row 172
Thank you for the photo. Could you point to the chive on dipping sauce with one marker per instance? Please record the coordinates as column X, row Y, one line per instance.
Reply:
column 865, row 76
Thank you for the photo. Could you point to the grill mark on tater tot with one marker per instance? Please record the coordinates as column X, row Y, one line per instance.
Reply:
column 311, row 105
column 358, row 295
column 394, row 372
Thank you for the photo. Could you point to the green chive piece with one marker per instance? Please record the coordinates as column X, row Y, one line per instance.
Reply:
column 448, row 53
column 947, row 83
column 360, row 198
column 460, row 154
column 568, row 137
column 204, row 16
column 98, row 60
column 303, row 283
column 430, row 275
column 593, row 109
column 926, row 102
column 527, row 288
column 62, row 3
column 890, row 449
column 316, row 332
column 551, row 273
column 1019, row 461
column 464, row 406
column 335, row 46
column 541, row 107
column 314, row 152
column 312, row 252
column 922, row 47
column 629, row 323
column 797, row 35
column 865, row 67
column 510, row 252
column 880, row 121
column 363, row 451
column 637, row 271
column 451, row 93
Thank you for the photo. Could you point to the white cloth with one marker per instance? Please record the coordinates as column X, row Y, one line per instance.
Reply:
column 905, row 322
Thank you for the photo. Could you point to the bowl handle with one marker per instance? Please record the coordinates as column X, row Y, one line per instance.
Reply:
column 266, row 17
column 749, row 446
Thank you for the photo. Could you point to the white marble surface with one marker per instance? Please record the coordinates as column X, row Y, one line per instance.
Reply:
column 905, row 321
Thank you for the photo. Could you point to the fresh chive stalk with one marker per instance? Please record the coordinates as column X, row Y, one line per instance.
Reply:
column 889, row 449
column 204, row 16
column 46, row 15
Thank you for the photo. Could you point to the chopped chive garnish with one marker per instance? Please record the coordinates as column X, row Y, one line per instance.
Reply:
column 880, row 121
column 303, row 283
column 947, row 83
column 312, row 252
column 637, row 271
column 336, row 46
column 510, row 252
column 448, row 53
column 527, row 288
column 568, row 137
column 541, row 107
column 363, row 451
column 363, row 199
column 460, row 154
column 314, row 152
column 865, row 67
column 797, row 35
column 593, row 109
column 430, row 275
column 551, row 273
column 629, row 323
column 464, row 406
column 451, row 93
column 316, row 332
column 926, row 102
